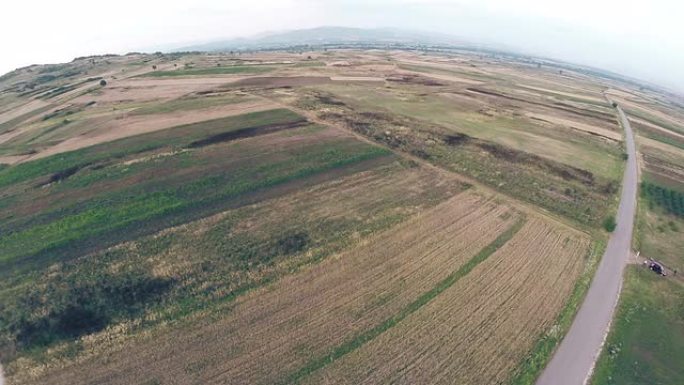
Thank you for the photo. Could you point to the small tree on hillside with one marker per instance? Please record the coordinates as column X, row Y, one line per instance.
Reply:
column 103, row 82
column 154, row 67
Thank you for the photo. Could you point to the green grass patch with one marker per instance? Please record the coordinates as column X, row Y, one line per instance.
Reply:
column 646, row 343
column 365, row 337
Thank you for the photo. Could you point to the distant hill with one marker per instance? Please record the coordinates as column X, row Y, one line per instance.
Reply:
column 326, row 35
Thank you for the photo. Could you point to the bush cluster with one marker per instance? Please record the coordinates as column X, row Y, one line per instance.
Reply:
column 671, row 201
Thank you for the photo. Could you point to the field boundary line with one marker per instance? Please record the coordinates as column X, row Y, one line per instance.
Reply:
column 361, row 339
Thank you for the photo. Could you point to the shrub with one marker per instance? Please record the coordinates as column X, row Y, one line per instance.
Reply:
column 609, row 223
column 103, row 82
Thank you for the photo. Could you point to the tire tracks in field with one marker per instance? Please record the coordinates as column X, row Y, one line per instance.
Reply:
column 367, row 336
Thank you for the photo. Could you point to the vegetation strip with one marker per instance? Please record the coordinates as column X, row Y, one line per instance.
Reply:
column 363, row 338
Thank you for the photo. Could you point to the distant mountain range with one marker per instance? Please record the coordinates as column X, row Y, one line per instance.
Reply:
column 327, row 35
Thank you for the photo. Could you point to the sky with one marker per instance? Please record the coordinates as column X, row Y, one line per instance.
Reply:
column 642, row 39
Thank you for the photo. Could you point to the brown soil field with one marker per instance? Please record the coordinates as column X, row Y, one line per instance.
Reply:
column 112, row 129
column 576, row 124
column 357, row 79
column 449, row 78
column 478, row 330
column 647, row 108
column 272, row 332
column 280, row 81
column 138, row 90
column 660, row 149
column 658, row 128
column 24, row 109
column 577, row 94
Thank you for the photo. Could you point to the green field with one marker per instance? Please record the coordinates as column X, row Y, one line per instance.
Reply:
column 646, row 344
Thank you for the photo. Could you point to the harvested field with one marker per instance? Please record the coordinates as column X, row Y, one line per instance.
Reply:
column 139, row 90
column 25, row 109
column 478, row 330
column 596, row 130
column 113, row 129
column 303, row 316
column 357, row 79
column 280, row 81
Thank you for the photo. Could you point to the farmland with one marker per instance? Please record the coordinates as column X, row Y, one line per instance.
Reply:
column 490, row 333
column 289, row 343
column 645, row 346
column 337, row 216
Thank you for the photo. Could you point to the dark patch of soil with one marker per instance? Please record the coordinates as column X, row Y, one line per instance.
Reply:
column 246, row 133
column 414, row 79
column 456, row 139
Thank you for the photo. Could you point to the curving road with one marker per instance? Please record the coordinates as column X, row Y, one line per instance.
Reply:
column 574, row 360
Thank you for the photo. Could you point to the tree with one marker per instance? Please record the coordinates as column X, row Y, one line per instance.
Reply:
column 103, row 82
column 154, row 67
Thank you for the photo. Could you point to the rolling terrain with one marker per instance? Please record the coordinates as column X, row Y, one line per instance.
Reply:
column 331, row 216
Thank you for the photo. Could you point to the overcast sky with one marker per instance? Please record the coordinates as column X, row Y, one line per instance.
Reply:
column 644, row 39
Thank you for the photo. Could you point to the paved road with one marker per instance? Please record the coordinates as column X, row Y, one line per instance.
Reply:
column 574, row 360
